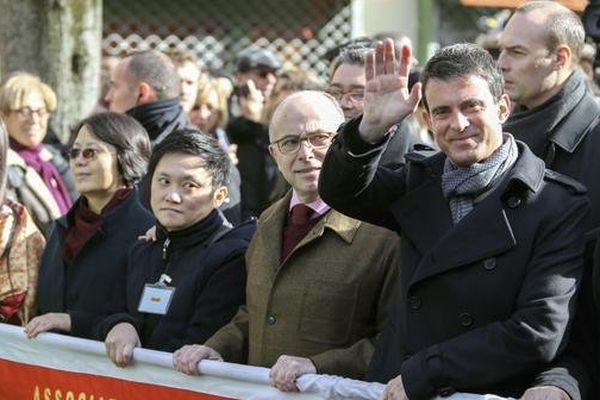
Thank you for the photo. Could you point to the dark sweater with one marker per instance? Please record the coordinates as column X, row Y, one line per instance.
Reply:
column 206, row 263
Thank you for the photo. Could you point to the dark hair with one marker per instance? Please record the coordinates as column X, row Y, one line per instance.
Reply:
column 360, row 42
column 129, row 138
column 354, row 54
column 460, row 61
column 3, row 159
column 195, row 143
column 563, row 26
column 157, row 70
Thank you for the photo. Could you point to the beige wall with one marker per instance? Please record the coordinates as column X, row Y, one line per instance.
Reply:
column 373, row 16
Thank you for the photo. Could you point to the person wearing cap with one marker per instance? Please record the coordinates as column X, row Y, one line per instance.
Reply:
column 260, row 66
column 256, row 79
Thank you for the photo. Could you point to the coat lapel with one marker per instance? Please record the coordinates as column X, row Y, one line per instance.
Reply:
column 482, row 234
column 424, row 222
column 271, row 234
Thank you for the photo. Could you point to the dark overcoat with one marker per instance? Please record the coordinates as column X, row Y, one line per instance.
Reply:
column 481, row 306
column 97, row 272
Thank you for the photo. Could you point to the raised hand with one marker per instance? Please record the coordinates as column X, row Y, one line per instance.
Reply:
column 387, row 100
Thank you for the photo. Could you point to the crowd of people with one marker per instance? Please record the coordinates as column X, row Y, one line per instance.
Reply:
column 433, row 228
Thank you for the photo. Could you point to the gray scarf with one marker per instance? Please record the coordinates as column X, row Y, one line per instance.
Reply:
column 462, row 185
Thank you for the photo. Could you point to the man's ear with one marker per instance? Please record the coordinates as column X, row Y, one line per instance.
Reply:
column 220, row 196
column 146, row 94
column 504, row 107
column 427, row 119
column 272, row 150
column 563, row 57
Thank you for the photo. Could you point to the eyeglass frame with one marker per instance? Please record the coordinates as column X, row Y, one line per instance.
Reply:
column 301, row 139
column 75, row 152
column 27, row 112
column 349, row 93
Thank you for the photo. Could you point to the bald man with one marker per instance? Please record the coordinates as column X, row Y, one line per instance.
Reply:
column 318, row 281
column 559, row 119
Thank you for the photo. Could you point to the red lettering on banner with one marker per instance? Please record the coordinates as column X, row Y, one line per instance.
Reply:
column 25, row 382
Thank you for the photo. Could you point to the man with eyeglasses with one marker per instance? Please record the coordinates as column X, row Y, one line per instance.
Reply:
column 492, row 241
column 318, row 282
column 347, row 84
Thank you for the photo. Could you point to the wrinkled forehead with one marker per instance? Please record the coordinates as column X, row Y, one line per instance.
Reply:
column 302, row 119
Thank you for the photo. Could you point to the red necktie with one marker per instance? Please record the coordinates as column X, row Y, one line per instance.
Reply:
column 301, row 214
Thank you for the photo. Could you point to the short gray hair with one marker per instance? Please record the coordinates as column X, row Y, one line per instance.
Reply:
column 157, row 70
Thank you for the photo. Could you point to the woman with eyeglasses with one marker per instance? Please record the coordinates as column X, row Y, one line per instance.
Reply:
column 38, row 175
column 83, row 269
column 21, row 247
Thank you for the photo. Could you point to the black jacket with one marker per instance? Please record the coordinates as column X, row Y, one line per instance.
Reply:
column 206, row 263
column 97, row 271
column 160, row 118
column 565, row 132
column 481, row 306
column 258, row 170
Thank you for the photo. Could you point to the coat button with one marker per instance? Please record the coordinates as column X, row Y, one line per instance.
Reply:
column 414, row 302
column 513, row 202
column 489, row 264
column 466, row 320
column 446, row 391
column 271, row 320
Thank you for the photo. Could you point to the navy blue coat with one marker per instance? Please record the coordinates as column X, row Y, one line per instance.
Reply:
column 97, row 272
column 206, row 263
column 481, row 306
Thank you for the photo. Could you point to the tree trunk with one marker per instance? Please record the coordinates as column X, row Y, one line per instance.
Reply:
column 60, row 41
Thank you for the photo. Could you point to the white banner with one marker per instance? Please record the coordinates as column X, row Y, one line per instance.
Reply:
column 57, row 367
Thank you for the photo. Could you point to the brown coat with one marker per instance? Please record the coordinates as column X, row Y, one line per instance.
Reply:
column 327, row 301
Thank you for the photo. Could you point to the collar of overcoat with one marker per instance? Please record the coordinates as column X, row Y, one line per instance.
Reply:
column 272, row 222
column 425, row 219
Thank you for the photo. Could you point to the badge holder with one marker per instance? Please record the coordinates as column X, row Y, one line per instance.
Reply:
column 156, row 298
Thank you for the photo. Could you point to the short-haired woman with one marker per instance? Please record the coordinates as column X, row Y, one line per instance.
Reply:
column 38, row 175
column 83, row 268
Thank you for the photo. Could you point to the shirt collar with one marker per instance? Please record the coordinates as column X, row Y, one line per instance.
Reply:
column 318, row 206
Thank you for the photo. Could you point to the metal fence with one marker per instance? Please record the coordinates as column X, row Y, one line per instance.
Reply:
column 299, row 31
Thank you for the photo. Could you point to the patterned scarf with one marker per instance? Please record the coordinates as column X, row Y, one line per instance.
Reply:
column 21, row 247
column 47, row 171
column 462, row 185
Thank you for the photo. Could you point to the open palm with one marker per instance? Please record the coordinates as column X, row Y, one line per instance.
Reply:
column 387, row 99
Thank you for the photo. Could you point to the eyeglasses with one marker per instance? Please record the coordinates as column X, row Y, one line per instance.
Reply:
column 88, row 154
column 27, row 112
column 354, row 95
column 291, row 144
column 264, row 72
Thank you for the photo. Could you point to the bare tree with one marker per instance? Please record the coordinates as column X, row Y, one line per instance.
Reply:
column 59, row 40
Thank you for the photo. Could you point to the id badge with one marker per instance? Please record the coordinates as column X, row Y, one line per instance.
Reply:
column 156, row 299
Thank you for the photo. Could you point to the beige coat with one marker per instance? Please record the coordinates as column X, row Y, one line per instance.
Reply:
column 21, row 247
column 327, row 301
